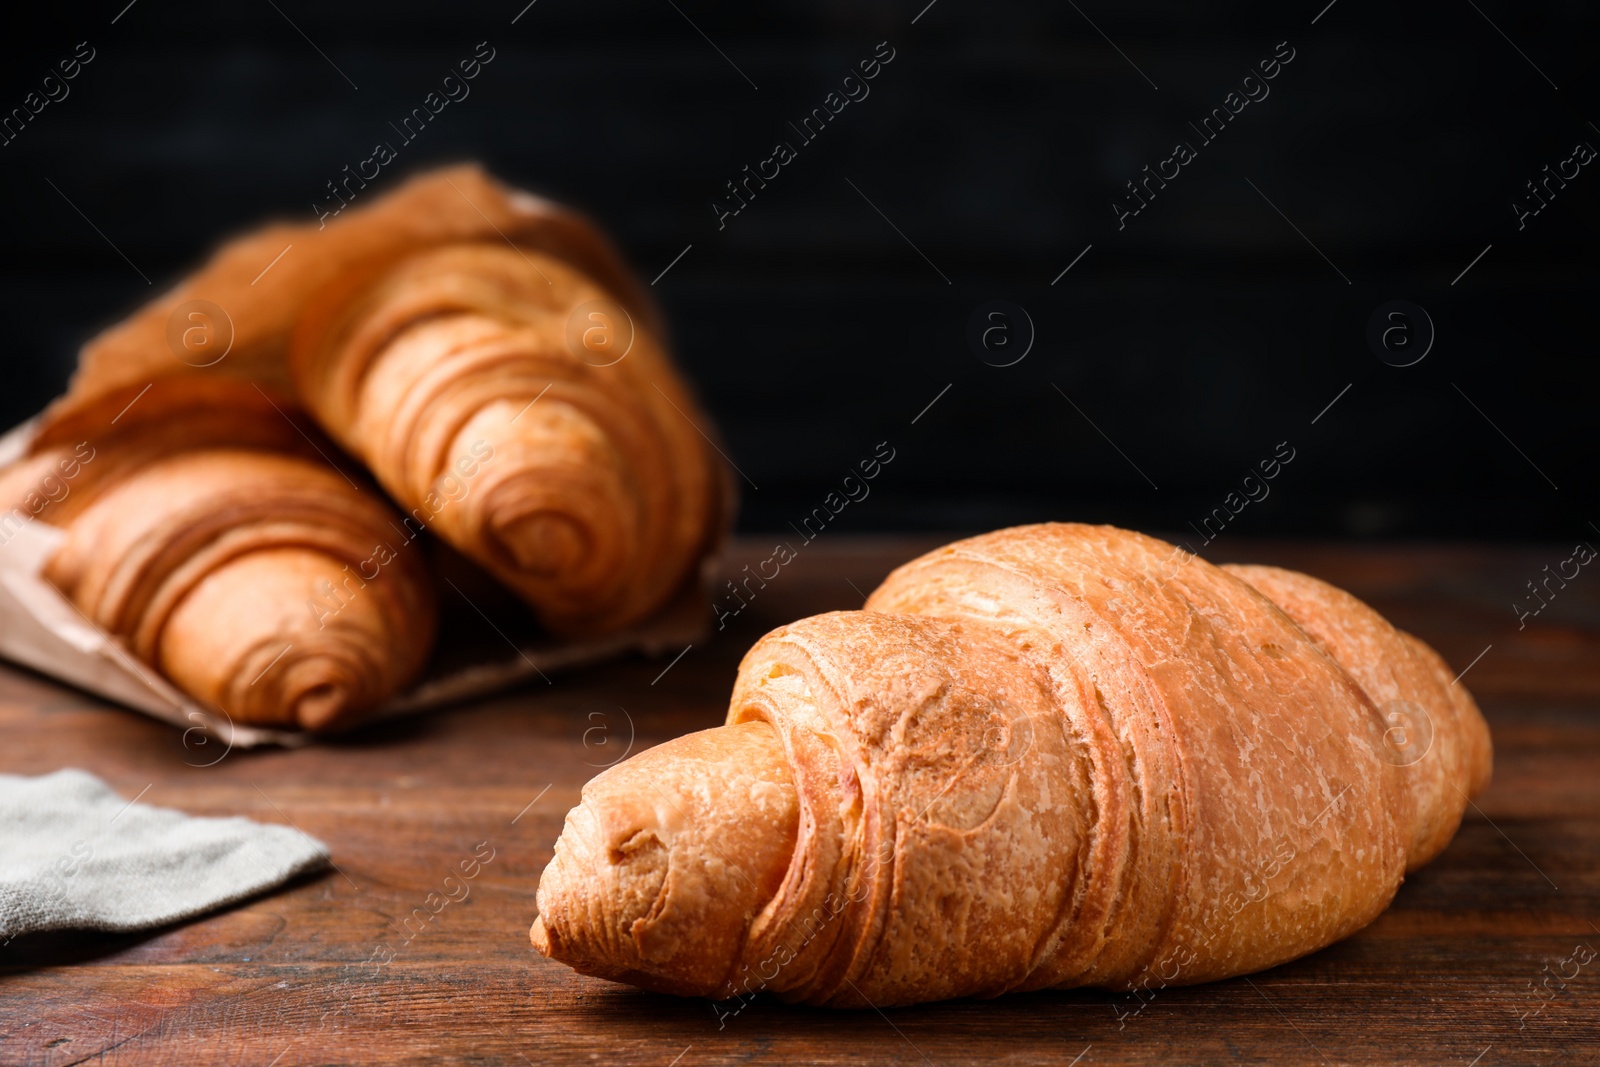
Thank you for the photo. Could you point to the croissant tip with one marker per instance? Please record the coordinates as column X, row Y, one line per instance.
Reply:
column 540, row 937
column 321, row 707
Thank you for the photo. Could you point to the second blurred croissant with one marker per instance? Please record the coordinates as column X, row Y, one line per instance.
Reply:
column 508, row 383
column 204, row 533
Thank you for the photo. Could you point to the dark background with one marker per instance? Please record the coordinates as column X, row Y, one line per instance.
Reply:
column 1196, row 339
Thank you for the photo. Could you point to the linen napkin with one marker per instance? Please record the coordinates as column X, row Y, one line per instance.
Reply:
column 73, row 854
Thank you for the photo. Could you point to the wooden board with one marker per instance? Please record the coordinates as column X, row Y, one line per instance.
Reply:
column 1465, row 968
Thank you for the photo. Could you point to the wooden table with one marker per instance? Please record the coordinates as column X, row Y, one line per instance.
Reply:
column 1452, row 973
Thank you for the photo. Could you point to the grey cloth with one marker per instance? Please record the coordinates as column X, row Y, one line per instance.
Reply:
column 73, row 854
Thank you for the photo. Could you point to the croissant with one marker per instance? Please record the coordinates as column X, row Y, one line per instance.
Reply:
column 1049, row 756
column 508, row 401
column 202, row 531
column 491, row 359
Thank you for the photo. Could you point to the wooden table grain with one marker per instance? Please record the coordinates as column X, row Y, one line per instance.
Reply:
column 1485, row 956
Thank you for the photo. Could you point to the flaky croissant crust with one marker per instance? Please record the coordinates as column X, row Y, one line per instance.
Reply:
column 1049, row 756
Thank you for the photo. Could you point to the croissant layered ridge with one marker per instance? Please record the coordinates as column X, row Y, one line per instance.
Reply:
column 1049, row 756
column 205, row 535
column 509, row 402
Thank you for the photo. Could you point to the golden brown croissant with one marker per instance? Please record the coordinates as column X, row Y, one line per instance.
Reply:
column 1049, row 756
column 506, row 400
column 431, row 320
column 203, row 531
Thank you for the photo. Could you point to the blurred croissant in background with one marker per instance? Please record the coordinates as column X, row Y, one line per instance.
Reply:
column 493, row 361
column 592, row 490
column 485, row 353
column 205, row 533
